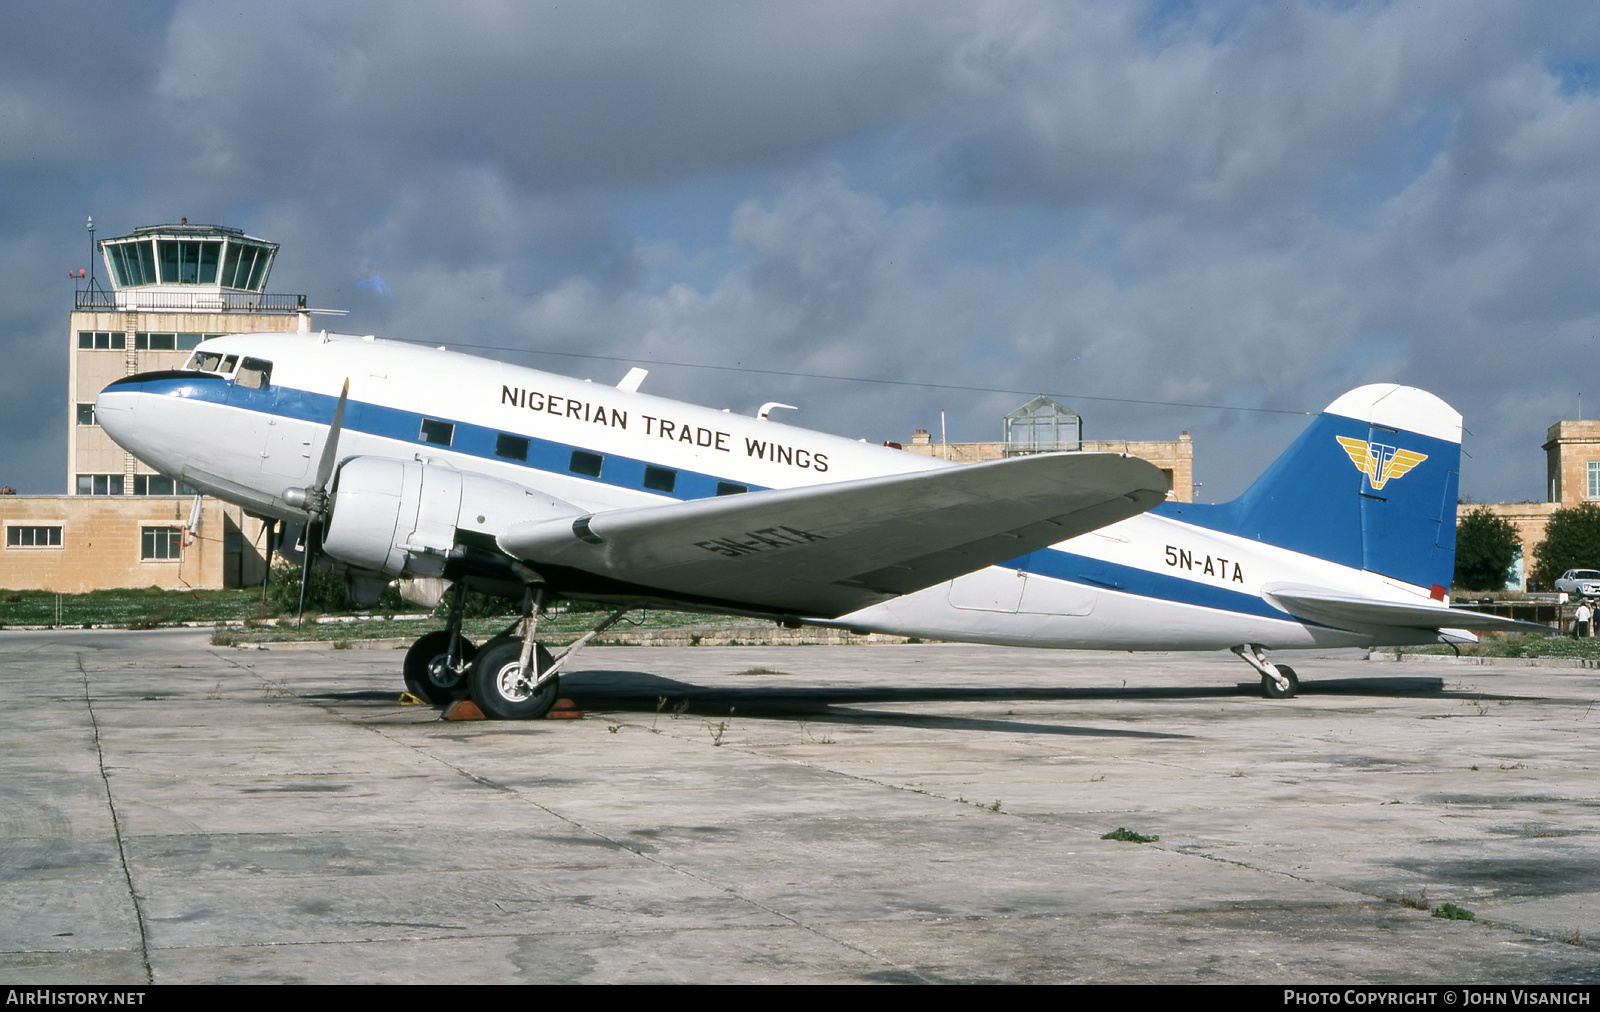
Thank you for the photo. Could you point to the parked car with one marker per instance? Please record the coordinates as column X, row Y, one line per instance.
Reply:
column 1580, row 582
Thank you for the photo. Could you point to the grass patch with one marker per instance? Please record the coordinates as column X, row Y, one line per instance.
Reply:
column 1129, row 836
column 1520, row 645
column 145, row 608
column 1416, row 901
column 1451, row 912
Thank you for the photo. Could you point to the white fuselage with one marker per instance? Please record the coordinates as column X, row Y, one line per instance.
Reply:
column 1152, row 582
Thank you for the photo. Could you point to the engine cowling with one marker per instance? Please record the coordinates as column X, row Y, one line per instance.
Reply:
column 401, row 517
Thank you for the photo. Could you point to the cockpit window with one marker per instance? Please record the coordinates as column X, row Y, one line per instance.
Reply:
column 204, row 361
column 254, row 373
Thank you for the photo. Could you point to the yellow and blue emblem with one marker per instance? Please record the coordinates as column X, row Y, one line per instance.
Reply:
column 1378, row 462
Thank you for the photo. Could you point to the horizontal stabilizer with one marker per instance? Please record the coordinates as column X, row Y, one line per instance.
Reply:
column 1367, row 613
column 821, row 551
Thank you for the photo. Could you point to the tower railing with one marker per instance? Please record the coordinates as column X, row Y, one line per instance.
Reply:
column 91, row 299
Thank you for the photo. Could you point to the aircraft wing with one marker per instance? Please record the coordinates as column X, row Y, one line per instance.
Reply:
column 1348, row 611
column 821, row 551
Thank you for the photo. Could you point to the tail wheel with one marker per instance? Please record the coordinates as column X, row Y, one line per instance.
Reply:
column 503, row 690
column 428, row 672
column 1269, row 687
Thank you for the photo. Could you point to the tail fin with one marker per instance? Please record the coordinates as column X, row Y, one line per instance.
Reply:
column 1371, row 484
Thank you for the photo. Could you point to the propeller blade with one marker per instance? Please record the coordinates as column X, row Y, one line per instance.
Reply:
column 266, row 573
column 305, row 572
column 330, row 449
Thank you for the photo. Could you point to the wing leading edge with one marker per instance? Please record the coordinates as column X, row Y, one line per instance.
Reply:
column 821, row 551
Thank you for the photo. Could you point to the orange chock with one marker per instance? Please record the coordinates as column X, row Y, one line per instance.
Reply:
column 462, row 709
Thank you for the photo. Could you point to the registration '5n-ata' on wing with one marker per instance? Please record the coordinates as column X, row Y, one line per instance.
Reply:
column 399, row 461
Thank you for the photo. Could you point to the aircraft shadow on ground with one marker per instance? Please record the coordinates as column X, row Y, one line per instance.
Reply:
column 641, row 693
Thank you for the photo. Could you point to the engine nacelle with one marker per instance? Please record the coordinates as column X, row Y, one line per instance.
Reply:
column 400, row 517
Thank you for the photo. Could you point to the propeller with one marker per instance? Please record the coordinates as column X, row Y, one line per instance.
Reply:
column 315, row 499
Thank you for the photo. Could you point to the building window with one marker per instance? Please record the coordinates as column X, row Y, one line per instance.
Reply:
column 586, row 463
column 161, row 543
column 159, row 484
column 511, row 447
column 99, row 484
column 86, row 414
column 436, row 432
column 155, row 342
column 102, row 340
column 1594, row 479
column 660, row 479
column 33, row 537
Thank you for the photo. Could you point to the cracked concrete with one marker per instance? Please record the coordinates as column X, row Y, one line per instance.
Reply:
column 175, row 812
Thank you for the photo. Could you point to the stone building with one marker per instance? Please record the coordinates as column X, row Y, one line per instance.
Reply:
column 121, row 524
column 1572, row 477
column 1042, row 426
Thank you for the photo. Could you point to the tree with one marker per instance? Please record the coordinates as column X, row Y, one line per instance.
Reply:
column 1486, row 548
column 1571, row 541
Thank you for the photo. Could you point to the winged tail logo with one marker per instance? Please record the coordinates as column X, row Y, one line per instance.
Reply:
column 1378, row 462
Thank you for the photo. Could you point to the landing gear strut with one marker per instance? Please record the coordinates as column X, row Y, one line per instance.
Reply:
column 515, row 677
column 1278, row 681
column 436, row 666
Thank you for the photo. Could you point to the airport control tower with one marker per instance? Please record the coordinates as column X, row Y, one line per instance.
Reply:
column 171, row 287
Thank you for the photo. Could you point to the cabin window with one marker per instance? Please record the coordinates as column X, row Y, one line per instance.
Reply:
column 255, row 373
column 660, row 479
column 33, row 537
column 437, row 432
column 729, row 488
column 161, row 543
column 586, row 463
column 511, row 447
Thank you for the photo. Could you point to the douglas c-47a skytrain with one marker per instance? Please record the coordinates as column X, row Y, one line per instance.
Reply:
column 406, row 461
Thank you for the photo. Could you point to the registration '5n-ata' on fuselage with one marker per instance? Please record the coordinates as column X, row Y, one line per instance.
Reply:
column 400, row 461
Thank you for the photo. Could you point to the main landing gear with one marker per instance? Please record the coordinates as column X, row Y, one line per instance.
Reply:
column 513, row 677
column 436, row 666
column 1278, row 681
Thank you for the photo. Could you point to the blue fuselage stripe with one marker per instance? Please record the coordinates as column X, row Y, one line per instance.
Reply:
column 553, row 457
column 405, row 426
column 1101, row 575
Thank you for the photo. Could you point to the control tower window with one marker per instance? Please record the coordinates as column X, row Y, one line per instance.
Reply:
column 132, row 263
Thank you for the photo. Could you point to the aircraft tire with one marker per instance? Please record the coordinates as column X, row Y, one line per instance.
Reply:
column 1269, row 688
column 425, row 672
column 492, row 683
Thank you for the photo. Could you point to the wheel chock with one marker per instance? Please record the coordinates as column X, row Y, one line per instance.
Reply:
column 564, row 709
column 407, row 699
column 463, row 709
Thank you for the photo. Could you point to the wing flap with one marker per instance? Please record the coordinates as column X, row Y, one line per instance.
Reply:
column 1348, row 611
column 825, row 550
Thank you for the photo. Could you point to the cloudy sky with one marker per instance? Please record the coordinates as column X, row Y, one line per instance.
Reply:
column 1212, row 217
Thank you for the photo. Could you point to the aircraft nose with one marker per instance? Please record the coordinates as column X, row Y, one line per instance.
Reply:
column 115, row 412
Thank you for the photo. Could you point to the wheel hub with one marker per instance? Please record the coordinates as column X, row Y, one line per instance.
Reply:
column 512, row 684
